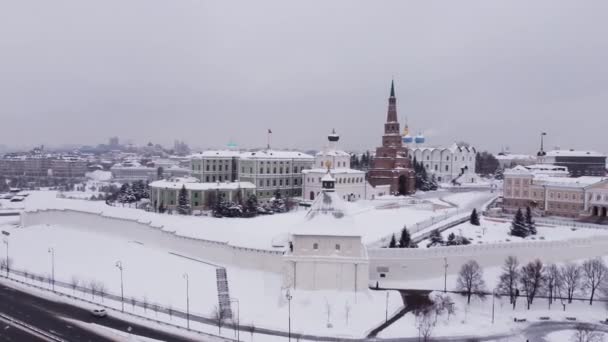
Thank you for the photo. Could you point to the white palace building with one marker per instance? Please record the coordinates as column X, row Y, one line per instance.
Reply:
column 351, row 184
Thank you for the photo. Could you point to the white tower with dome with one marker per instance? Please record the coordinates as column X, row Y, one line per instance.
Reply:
column 351, row 184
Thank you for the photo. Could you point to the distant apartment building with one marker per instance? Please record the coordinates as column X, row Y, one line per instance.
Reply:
column 215, row 166
column 550, row 191
column 39, row 166
column 579, row 163
column 132, row 171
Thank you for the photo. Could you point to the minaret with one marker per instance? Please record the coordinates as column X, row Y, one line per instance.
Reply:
column 392, row 132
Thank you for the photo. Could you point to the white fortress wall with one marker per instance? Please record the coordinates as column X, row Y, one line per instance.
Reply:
column 416, row 264
column 215, row 252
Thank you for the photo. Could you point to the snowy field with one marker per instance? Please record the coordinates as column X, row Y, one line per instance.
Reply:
column 373, row 224
column 157, row 276
column 494, row 230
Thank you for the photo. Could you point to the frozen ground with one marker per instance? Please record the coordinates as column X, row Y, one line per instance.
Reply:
column 373, row 224
column 156, row 275
column 494, row 230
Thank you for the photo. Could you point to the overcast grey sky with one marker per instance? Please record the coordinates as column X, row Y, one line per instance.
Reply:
column 494, row 73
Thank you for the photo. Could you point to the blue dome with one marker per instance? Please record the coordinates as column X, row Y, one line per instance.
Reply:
column 408, row 139
column 420, row 139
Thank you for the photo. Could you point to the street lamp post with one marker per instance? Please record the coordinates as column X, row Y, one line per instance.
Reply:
column 7, row 262
column 289, row 297
column 386, row 308
column 52, row 252
column 237, row 330
column 122, row 292
column 445, row 275
column 187, row 300
column 493, row 297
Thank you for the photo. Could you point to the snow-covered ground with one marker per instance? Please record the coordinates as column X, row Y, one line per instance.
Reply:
column 373, row 224
column 494, row 230
column 157, row 276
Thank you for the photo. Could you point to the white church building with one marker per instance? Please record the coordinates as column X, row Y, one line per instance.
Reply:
column 351, row 184
column 324, row 253
column 455, row 163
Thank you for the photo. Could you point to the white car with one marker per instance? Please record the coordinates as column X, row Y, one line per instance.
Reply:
column 99, row 312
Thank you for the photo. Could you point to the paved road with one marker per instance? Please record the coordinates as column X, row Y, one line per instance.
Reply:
column 12, row 333
column 46, row 315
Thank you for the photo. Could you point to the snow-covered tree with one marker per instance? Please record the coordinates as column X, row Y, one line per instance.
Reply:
column 183, row 202
column 474, row 219
column 530, row 224
column 405, row 240
column 518, row 226
column 435, row 238
column 553, row 281
column 393, row 242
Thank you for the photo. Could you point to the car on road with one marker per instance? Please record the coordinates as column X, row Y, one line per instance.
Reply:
column 99, row 312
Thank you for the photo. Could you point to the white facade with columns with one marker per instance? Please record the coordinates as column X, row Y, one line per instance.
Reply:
column 456, row 162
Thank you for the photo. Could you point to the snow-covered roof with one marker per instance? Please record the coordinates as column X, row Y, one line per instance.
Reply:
column 514, row 156
column 216, row 153
column 333, row 153
column 327, row 217
column 273, row 154
column 452, row 148
column 337, row 171
column 570, row 182
column 193, row 184
column 574, row 153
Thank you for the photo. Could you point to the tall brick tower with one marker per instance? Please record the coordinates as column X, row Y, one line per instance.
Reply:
column 392, row 165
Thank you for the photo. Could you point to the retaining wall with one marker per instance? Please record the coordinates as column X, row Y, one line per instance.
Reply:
column 220, row 253
column 417, row 263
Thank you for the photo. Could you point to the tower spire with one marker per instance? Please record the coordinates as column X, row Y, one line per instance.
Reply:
column 392, row 88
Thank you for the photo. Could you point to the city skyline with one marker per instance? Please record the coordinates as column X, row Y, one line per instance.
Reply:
column 470, row 71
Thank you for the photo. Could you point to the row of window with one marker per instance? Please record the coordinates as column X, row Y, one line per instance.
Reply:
column 280, row 182
column 565, row 206
column 315, row 246
column 339, row 180
column 447, row 158
column 598, row 197
column 338, row 164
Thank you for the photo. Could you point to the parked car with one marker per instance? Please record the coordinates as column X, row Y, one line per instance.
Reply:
column 99, row 312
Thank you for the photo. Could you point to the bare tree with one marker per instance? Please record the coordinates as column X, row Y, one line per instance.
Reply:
column 531, row 279
column 425, row 325
column 470, row 280
column 553, row 281
column 507, row 283
column 93, row 287
column 145, row 304
column 594, row 276
column 571, row 278
column 74, row 283
column 155, row 309
column 587, row 333
column 101, row 289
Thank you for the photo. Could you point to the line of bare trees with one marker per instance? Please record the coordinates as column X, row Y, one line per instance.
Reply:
column 537, row 279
